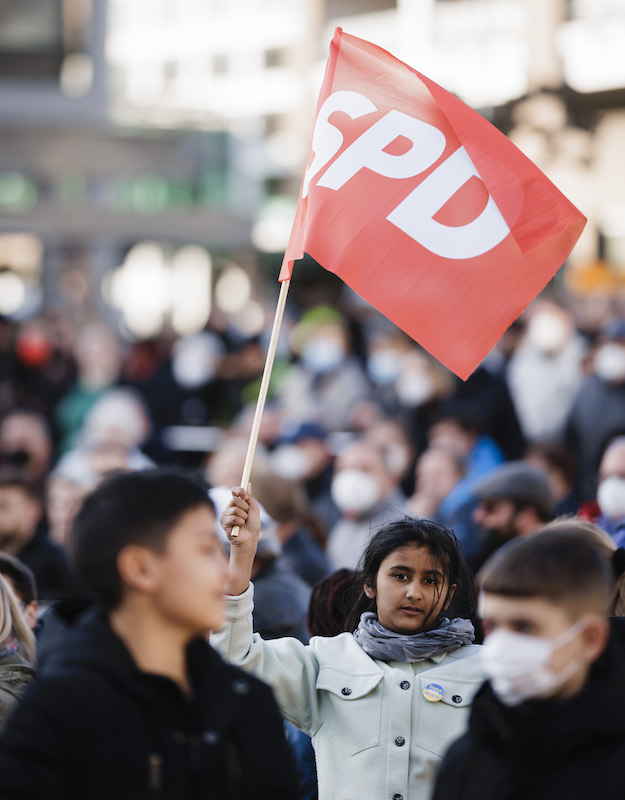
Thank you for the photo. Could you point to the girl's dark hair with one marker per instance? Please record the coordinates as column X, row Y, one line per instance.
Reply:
column 329, row 602
column 444, row 548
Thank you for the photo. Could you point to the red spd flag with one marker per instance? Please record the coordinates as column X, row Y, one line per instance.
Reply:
column 424, row 208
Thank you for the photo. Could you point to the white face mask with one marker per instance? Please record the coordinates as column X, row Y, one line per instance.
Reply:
column 611, row 497
column 383, row 367
column 290, row 462
column 355, row 492
column 414, row 388
column 397, row 460
column 610, row 362
column 195, row 359
column 322, row 355
column 518, row 668
column 547, row 333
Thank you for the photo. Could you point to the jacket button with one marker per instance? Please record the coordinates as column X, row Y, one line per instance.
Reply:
column 398, row 797
column 457, row 699
column 400, row 741
column 346, row 691
column 405, row 685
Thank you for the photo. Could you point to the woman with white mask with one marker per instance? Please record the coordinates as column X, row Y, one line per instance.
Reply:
column 366, row 492
column 598, row 412
column 611, row 491
column 326, row 382
column 545, row 372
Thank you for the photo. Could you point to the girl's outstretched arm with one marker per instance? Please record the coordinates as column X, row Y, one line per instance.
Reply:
column 241, row 512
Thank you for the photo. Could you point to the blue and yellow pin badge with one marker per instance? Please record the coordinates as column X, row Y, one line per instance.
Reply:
column 433, row 692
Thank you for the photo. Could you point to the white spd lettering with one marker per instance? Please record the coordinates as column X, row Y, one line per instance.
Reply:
column 428, row 144
column 327, row 139
column 415, row 214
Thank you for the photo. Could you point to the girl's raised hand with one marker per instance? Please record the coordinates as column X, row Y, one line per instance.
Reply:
column 242, row 512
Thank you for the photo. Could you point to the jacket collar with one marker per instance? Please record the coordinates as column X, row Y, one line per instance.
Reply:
column 352, row 655
column 540, row 730
column 94, row 647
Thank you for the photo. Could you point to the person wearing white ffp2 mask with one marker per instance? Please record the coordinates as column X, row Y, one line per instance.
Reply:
column 548, row 723
column 366, row 491
column 535, row 648
column 609, row 362
column 611, row 490
column 519, row 666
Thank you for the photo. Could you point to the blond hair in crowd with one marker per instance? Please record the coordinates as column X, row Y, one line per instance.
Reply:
column 13, row 625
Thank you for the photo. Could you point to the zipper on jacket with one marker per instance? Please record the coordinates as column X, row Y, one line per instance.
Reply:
column 155, row 775
column 235, row 768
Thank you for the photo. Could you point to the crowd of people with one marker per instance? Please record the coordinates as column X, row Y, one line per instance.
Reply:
column 385, row 493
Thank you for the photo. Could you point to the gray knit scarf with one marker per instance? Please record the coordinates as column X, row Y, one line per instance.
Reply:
column 378, row 642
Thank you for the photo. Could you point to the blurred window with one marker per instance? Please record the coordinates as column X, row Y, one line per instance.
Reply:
column 31, row 38
column 274, row 58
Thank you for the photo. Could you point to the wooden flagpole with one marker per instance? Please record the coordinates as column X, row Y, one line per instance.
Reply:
column 264, row 387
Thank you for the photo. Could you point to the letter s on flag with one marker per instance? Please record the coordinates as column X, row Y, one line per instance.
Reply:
column 327, row 139
column 424, row 208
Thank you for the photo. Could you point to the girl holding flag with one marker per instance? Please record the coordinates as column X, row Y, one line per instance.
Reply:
column 383, row 703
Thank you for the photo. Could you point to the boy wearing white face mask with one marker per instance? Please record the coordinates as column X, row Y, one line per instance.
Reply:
column 550, row 721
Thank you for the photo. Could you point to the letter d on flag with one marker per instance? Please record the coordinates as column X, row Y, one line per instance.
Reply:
column 424, row 208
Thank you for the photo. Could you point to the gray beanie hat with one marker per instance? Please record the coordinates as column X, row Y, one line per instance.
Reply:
column 517, row 481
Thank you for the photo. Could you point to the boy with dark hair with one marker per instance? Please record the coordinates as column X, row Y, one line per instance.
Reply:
column 550, row 721
column 138, row 705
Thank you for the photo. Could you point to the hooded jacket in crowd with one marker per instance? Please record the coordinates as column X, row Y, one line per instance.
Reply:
column 544, row 749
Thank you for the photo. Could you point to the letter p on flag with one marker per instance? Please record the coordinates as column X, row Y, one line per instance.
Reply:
column 424, row 208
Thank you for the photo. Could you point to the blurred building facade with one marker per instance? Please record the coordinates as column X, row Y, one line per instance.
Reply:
column 187, row 122
column 81, row 193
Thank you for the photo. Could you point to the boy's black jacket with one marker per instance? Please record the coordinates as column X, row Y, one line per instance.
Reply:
column 96, row 728
column 543, row 750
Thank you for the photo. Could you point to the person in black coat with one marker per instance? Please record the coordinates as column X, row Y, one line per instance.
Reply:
column 544, row 749
column 99, row 727
column 550, row 722
column 23, row 536
column 137, row 704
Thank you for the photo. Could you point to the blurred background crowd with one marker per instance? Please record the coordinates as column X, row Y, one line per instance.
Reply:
column 150, row 160
column 360, row 423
